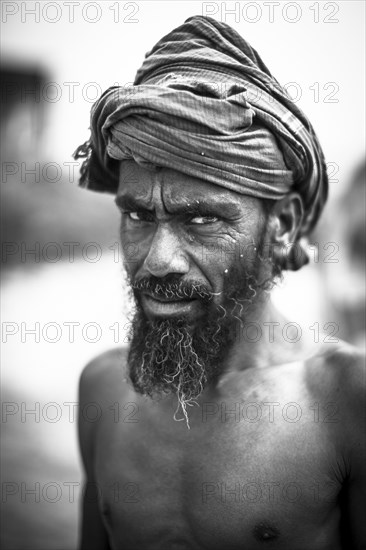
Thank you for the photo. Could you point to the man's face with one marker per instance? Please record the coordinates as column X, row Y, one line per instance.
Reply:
column 193, row 259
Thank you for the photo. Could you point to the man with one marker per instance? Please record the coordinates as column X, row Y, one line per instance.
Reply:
column 211, row 437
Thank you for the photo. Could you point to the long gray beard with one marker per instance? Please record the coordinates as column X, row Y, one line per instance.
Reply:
column 166, row 356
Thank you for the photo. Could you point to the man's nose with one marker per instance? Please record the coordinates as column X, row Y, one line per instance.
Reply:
column 166, row 254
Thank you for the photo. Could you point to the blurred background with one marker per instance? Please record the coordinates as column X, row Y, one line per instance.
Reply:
column 63, row 297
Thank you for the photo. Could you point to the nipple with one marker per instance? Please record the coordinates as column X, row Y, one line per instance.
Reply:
column 264, row 532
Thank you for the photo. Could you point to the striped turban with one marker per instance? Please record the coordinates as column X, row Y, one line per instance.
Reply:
column 204, row 104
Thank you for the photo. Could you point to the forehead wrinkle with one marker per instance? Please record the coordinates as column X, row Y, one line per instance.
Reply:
column 136, row 189
column 169, row 190
column 186, row 197
column 142, row 197
column 157, row 197
column 180, row 189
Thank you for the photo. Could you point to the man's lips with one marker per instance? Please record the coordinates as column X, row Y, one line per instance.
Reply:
column 161, row 306
column 168, row 299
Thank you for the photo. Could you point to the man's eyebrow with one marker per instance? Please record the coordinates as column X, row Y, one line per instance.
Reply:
column 129, row 202
column 203, row 207
column 207, row 207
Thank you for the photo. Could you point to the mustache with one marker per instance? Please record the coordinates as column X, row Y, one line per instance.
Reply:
column 171, row 287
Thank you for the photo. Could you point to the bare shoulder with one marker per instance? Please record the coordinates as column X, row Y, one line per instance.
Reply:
column 337, row 376
column 101, row 382
column 339, row 370
column 102, row 375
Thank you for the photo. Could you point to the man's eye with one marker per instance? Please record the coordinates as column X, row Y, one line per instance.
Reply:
column 139, row 216
column 202, row 220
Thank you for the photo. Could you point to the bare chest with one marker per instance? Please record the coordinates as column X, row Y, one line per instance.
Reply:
column 236, row 480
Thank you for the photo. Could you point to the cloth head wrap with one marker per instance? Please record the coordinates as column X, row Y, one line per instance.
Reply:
column 204, row 103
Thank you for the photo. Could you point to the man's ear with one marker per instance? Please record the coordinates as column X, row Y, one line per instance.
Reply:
column 287, row 215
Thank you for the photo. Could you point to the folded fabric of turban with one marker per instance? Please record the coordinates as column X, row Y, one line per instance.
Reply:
column 204, row 103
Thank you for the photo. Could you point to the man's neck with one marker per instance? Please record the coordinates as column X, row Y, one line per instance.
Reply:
column 260, row 342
